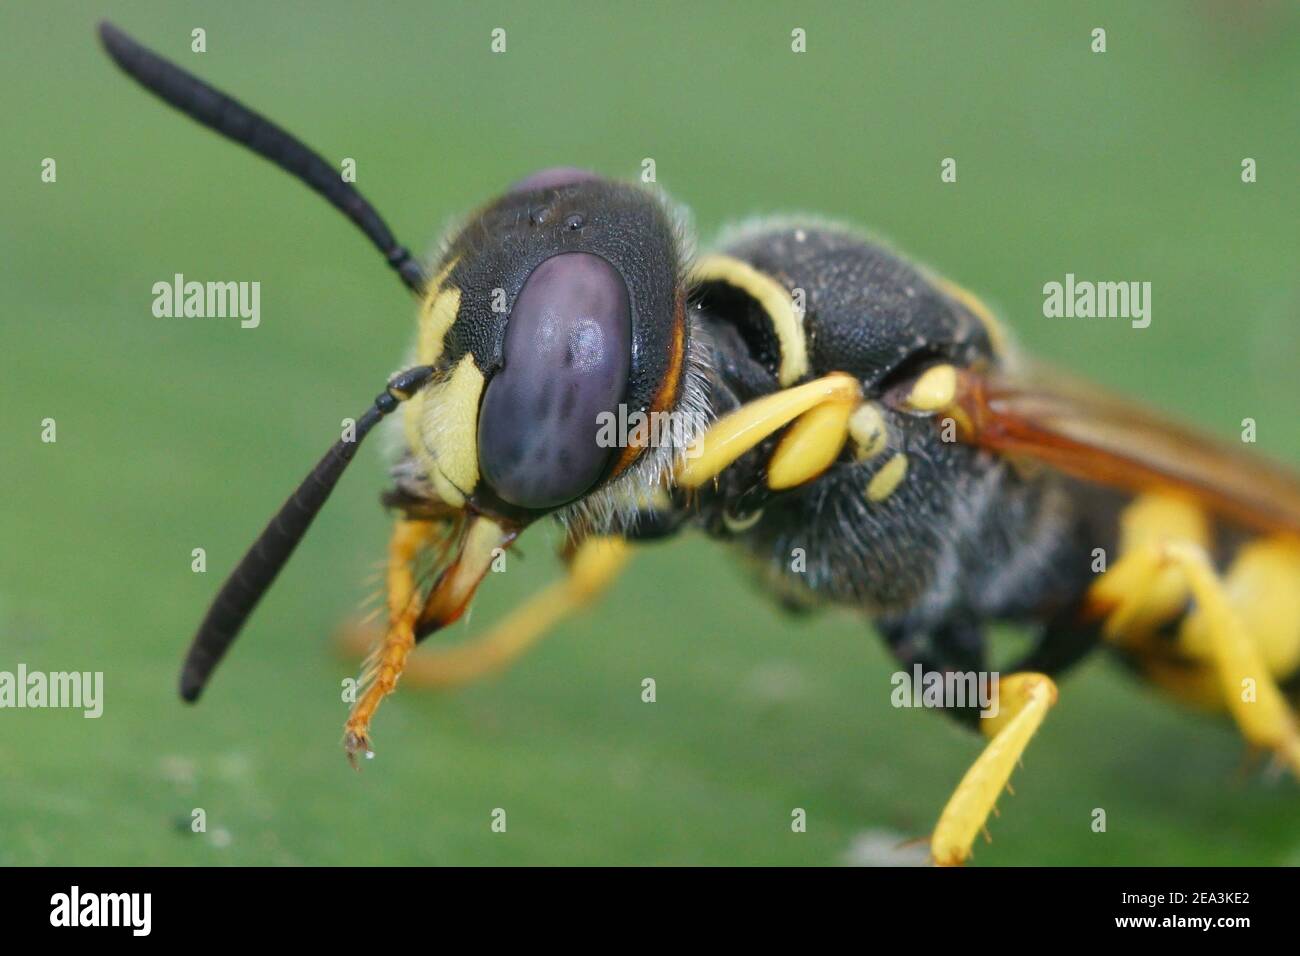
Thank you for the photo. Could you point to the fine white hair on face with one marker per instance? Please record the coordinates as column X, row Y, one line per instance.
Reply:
column 616, row 508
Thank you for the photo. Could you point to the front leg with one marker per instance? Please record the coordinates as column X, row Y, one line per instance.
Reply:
column 410, row 540
column 463, row 562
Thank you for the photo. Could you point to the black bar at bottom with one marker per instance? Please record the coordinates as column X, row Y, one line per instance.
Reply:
column 344, row 907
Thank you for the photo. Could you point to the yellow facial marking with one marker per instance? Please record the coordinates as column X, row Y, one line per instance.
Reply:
column 787, row 321
column 439, row 311
column 934, row 390
column 869, row 431
column 442, row 428
column 441, row 422
column 888, row 478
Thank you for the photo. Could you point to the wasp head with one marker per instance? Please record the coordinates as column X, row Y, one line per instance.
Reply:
column 557, row 307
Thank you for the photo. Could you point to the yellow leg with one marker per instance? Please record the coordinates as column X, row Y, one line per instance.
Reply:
column 592, row 568
column 1023, row 702
column 1252, row 696
column 410, row 539
column 1240, row 634
column 1140, row 593
column 1263, row 584
column 806, row 451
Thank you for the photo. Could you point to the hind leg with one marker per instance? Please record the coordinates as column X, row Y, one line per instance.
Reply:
column 1240, row 635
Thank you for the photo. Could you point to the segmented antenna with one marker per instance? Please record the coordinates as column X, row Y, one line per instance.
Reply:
column 235, row 121
column 257, row 570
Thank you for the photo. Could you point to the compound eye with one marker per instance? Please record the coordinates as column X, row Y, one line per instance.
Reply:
column 568, row 350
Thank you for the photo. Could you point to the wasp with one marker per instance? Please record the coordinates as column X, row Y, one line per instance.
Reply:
column 829, row 399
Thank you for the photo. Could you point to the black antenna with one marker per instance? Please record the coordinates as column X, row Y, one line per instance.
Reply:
column 257, row 570
column 233, row 120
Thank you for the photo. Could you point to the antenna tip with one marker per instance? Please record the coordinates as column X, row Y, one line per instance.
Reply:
column 114, row 41
column 191, row 687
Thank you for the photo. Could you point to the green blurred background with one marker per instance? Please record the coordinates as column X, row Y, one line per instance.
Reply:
column 176, row 434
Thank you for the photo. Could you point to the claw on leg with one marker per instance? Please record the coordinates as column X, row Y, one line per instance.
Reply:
column 409, row 539
column 410, row 616
column 1023, row 702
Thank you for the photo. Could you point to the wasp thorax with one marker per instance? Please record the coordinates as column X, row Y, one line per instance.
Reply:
column 567, row 354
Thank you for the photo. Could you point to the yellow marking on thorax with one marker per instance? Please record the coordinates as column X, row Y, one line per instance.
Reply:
column 787, row 321
column 934, row 390
column 887, row 479
column 997, row 333
column 869, row 431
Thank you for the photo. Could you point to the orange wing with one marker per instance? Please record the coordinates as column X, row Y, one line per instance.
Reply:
column 1081, row 430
